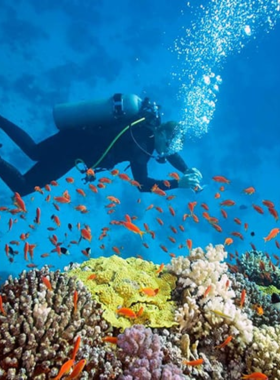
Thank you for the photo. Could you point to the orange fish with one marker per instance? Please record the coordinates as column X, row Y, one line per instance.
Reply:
column 149, row 291
column 273, row 233
column 228, row 241
column 255, row 376
column 75, row 300
column 207, row 291
column 224, row 213
column 249, row 190
column 225, row 343
column 160, row 268
column 78, row 368
column 191, row 206
column 189, row 244
column 221, row 179
column 61, row 199
column 81, row 192
column 110, row 339
column 93, row 188
column 258, row 209
column 2, row 310
column 268, row 204
column 18, row 201
column 113, row 199
column 65, row 368
column 156, row 190
column 132, row 227
column 126, row 312
column 174, row 175
column 70, row 179
column 242, row 299
column 76, row 347
column 194, row 362
column 114, row 172
column 160, row 221
column 124, row 176
column 86, row 234
column 227, row 202
column 273, row 212
column 47, row 283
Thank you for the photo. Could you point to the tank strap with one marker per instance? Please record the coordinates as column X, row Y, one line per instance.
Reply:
column 118, row 105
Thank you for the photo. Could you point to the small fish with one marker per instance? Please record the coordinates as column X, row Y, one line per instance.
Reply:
column 126, row 312
column 47, row 283
column 272, row 234
column 76, row 347
column 228, row 241
column 249, row 190
column 221, row 314
column 78, row 368
column 75, row 300
column 194, row 362
column 221, row 179
column 149, row 291
column 225, row 343
column 255, row 376
column 110, row 339
column 2, row 310
column 242, row 299
column 64, row 251
column 65, row 368
column 227, row 202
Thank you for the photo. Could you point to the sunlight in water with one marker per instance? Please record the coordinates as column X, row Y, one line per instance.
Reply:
column 220, row 28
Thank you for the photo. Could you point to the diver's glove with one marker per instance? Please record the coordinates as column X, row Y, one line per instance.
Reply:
column 191, row 179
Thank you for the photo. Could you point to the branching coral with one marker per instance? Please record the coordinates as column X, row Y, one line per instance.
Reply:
column 143, row 355
column 207, row 298
column 40, row 326
column 263, row 355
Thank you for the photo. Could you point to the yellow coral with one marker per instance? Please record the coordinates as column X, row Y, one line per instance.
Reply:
column 117, row 284
column 269, row 289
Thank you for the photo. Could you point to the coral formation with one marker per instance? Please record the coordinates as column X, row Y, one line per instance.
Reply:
column 39, row 327
column 208, row 301
column 264, row 352
column 259, row 268
column 143, row 355
column 203, row 318
column 118, row 283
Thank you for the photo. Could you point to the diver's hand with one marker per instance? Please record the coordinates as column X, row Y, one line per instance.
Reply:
column 191, row 179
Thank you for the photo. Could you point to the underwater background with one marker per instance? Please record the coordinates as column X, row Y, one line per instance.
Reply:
column 171, row 304
column 68, row 51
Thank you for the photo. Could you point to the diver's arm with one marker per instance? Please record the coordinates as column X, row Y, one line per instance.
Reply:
column 177, row 161
column 140, row 174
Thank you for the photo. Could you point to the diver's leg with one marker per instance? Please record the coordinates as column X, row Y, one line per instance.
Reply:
column 42, row 173
column 14, row 179
column 20, row 137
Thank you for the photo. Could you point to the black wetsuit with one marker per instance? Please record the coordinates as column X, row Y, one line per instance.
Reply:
column 56, row 155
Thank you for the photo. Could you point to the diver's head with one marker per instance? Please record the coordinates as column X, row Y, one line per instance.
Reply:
column 164, row 134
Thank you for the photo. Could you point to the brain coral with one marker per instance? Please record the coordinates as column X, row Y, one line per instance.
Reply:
column 39, row 327
column 117, row 283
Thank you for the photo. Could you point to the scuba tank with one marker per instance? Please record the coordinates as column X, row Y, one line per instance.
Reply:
column 91, row 114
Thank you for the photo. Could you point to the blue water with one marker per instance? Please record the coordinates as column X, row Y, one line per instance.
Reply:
column 63, row 51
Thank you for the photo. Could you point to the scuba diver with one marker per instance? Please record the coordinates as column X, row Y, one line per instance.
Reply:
column 99, row 135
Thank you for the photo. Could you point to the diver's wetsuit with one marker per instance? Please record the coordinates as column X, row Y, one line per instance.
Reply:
column 56, row 155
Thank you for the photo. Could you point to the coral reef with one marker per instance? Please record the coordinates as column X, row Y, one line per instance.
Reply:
column 143, row 356
column 39, row 327
column 207, row 299
column 201, row 312
column 117, row 284
column 259, row 268
column 264, row 352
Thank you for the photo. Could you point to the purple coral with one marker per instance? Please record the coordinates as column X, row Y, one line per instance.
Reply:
column 142, row 356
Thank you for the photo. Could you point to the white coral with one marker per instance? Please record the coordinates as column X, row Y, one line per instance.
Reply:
column 41, row 312
column 199, row 273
